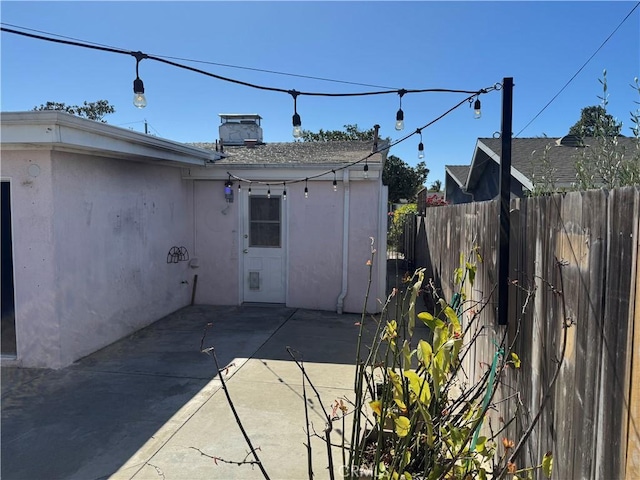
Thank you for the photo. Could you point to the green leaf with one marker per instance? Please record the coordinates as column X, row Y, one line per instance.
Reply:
column 515, row 359
column 430, row 321
column 453, row 318
column 471, row 271
column 424, row 353
column 547, row 464
column 406, row 353
column 402, row 426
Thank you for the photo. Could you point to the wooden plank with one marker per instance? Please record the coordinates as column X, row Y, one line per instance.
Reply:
column 614, row 392
column 588, row 343
column 633, row 428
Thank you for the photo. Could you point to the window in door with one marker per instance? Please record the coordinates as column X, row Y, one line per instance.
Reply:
column 265, row 222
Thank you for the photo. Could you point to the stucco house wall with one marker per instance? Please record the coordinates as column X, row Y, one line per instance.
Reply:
column 91, row 234
column 95, row 210
column 314, row 255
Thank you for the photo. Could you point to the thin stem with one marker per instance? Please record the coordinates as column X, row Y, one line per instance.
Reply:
column 212, row 352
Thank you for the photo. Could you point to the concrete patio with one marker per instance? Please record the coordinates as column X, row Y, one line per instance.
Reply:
column 151, row 406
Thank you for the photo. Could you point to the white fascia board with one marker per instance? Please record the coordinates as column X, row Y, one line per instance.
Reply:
column 515, row 173
column 61, row 131
column 522, row 178
column 453, row 177
column 281, row 172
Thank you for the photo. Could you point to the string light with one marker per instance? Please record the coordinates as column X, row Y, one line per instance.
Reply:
column 284, row 192
column 477, row 113
column 139, row 89
column 420, row 145
column 418, row 131
column 139, row 100
column 306, row 188
column 400, row 114
column 366, row 169
column 268, row 191
column 297, row 123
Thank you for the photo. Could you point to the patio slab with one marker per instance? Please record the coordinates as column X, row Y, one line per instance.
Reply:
column 146, row 406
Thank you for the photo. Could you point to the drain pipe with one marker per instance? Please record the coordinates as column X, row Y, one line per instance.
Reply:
column 345, row 242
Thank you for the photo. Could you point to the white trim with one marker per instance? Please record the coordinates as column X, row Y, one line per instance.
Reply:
column 278, row 172
column 345, row 243
column 382, row 242
column 60, row 131
column 515, row 173
column 454, row 178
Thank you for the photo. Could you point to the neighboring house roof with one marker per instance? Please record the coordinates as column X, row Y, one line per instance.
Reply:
column 297, row 153
column 527, row 156
column 458, row 173
column 57, row 130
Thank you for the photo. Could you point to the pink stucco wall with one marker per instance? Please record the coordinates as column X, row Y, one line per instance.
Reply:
column 37, row 324
column 314, row 245
column 216, row 245
column 98, row 271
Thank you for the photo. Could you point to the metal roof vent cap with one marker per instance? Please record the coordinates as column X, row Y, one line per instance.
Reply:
column 570, row 141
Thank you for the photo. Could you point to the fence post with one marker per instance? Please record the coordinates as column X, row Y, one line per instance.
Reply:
column 505, row 198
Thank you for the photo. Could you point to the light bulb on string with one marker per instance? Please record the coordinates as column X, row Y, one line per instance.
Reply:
column 335, row 181
column 249, row 190
column 306, row 188
column 296, row 121
column 366, row 169
column 400, row 114
column 139, row 100
column 284, row 192
column 268, row 191
column 477, row 113
column 420, row 146
column 239, row 187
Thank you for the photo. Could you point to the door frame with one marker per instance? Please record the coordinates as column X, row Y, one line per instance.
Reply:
column 9, row 182
column 243, row 222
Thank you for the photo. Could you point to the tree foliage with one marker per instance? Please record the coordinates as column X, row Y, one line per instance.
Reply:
column 403, row 180
column 91, row 110
column 595, row 121
column 351, row 132
column 607, row 163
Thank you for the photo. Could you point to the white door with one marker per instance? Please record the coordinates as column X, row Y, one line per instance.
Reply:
column 263, row 253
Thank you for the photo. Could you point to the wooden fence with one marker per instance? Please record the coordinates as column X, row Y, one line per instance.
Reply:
column 573, row 260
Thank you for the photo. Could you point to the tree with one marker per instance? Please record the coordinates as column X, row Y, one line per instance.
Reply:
column 436, row 186
column 595, row 121
column 351, row 132
column 403, row 181
column 606, row 163
column 91, row 110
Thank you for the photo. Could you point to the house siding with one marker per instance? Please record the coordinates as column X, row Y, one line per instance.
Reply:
column 90, row 247
column 38, row 333
column 487, row 187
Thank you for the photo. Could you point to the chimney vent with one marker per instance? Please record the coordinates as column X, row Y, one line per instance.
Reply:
column 237, row 128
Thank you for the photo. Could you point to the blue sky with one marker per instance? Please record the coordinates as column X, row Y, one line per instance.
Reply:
column 393, row 45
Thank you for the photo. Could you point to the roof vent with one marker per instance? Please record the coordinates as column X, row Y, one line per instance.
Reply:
column 236, row 128
column 570, row 141
column 250, row 142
